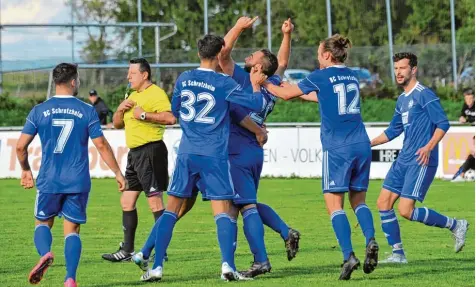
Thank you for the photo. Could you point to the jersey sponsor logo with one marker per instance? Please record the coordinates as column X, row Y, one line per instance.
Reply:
column 385, row 155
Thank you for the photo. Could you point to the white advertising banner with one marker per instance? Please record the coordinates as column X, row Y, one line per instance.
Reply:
column 290, row 151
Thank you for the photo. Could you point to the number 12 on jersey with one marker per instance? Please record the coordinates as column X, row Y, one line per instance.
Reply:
column 342, row 90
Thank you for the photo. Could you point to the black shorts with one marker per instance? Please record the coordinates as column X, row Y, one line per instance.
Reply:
column 147, row 168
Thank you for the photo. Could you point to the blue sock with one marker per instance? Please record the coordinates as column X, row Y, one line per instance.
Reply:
column 150, row 242
column 341, row 226
column 366, row 221
column 271, row 219
column 432, row 218
column 391, row 229
column 254, row 232
column 226, row 236
column 72, row 253
column 43, row 239
column 163, row 235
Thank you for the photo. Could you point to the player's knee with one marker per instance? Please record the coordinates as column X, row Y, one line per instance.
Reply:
column 384, row 203
column 127, row 203
column 245, row 207
column 155, row 203
column 405, row 211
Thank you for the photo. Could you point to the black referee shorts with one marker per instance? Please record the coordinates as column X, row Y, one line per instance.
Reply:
column 147, row 168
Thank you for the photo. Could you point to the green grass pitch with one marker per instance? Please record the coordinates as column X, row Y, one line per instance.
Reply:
column 194, row 258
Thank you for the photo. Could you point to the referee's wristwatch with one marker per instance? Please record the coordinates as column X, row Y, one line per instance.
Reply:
column 142, row 116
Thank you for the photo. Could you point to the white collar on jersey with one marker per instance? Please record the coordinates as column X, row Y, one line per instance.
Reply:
column 205, row 69
column 411, row 91
column 63, row 96
column 336, row 66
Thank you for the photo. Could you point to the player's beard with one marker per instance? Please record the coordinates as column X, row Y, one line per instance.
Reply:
column 248, row 68
column 405, row 82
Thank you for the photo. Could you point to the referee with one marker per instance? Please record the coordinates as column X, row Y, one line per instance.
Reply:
column 144, row 115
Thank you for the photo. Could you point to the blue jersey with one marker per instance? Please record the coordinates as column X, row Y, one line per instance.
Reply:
column 338, row 92
column 64, row 124
column 201, row 101
column 241, row 138
column 417, row 115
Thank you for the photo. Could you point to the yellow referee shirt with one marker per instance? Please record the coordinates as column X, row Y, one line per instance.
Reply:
column 138, row 132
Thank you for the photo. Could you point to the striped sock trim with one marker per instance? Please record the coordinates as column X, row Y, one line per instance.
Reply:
column 360, row 206
column 249, row 212
column 337, row 213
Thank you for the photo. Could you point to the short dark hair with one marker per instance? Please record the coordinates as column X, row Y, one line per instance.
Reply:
column 209, row 46
column 64, row 73
column 271, row 62
column 144, row 66
column 412, row 58
column 337, row 45
column 468, row 91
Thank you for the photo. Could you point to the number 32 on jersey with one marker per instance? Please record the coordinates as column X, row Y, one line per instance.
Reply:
column 191, row 114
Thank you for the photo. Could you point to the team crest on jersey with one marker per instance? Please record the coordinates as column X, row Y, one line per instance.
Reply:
column 410, row 104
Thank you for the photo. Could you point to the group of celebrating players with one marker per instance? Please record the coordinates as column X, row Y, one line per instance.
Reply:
column 222, row 116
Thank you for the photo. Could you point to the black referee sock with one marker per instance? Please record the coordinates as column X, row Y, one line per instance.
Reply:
column 129, row 224
column 157, row 214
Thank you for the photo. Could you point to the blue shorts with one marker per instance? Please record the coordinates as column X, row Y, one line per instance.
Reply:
column 245, row 172
column 70, row 205
column 346, row 168
column 409, row 181
column 213, row 173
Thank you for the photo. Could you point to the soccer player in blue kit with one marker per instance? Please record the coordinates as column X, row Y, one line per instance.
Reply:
column 64, row 124
column 346, row 146
column 419, row 115
column 201, row 101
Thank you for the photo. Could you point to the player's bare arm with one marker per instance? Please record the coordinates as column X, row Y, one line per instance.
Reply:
column 22, row 154
column 118, row 117
column 424, row 152
column 311, row 97
column 107, row 155
column 226, row 62
column 381, row 139
column 286, row 92
column 164, row 118
column 260, row 133
column 285, row 48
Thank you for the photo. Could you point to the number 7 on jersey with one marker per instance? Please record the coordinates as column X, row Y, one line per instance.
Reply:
column 66, row 128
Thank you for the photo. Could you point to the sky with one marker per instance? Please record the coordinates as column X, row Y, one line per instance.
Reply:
column 34, row 43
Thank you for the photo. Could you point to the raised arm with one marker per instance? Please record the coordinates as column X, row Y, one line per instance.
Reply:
column 285, row 49
column 118, row 117
column 226, row 62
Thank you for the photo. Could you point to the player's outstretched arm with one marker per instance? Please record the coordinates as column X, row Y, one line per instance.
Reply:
column 311, row 97
column 163, row 118
column 285, row 92
column 285, row 48
column 394, row 130
column 22, row 155
column 381, row 139
column 107, row 155
column 226, row 62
